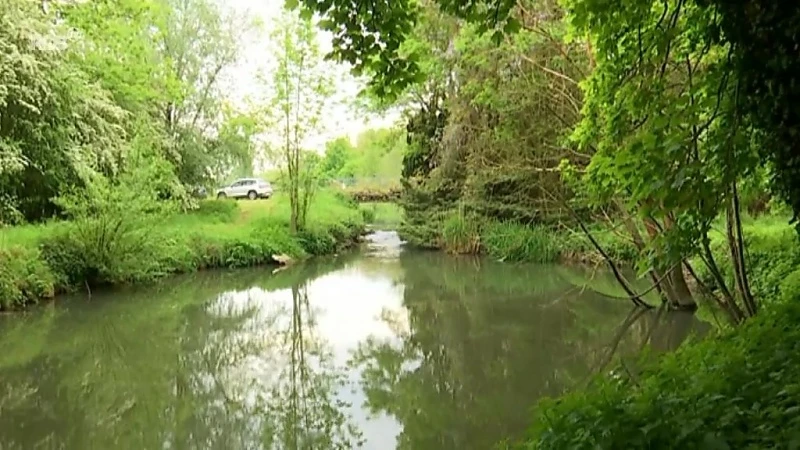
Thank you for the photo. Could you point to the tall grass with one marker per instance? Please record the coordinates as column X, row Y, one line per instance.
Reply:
column 461, row 234
column 510, row 241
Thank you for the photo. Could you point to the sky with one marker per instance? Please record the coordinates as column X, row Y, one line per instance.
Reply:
column 241, row 81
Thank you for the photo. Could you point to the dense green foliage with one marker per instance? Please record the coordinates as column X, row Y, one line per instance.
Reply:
column 744, row 37
column 125, row 245
column 684, row 402
column 91, row 88
column 112, row 115
column 544, row 113
column 763, row 36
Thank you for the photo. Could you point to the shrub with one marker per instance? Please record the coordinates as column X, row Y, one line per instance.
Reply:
column 317, row 241
column 737, row 391
column 790, row 286
column 111, row 236
column 24, row 278
column 105, row 251
column 368, row 213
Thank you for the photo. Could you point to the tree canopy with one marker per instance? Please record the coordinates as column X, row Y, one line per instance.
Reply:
column 747, row 37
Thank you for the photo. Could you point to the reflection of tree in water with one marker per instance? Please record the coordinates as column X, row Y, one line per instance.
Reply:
column 484, row 343
column 245, row 371
column 273, row 374
column 307, row 414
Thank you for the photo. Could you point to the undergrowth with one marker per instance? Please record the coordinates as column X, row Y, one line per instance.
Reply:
column 465, row 233
column 739, row 390
column 772, row 258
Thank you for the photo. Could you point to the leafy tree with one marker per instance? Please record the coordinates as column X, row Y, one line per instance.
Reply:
column 232, row 152
column 338, row 153
column 762, row 36
column 199, row 41
column 301, row 83
column 55, row 122
column 121, row 50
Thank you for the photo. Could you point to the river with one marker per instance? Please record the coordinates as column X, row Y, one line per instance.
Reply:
column 381, row 348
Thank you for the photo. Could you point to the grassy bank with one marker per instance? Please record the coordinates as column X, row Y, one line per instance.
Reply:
column 511, row 241
column 38, row 261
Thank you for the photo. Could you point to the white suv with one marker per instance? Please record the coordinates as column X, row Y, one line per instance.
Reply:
column 251, row 188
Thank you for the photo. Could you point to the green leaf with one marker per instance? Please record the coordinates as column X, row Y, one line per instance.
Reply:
column 512, row 26
column 497, row 37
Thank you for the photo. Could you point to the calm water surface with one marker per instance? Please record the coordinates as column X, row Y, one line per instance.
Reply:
column 382, row 349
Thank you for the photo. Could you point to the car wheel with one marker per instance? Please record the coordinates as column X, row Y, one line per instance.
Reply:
column 221, row 196
column 252, row 195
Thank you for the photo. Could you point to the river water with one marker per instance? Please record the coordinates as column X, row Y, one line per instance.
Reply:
column 381, row 349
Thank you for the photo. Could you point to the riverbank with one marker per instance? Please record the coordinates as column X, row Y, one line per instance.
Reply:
column 38, row 261
column 736, row 390
column 516, row 242
column 772, row 249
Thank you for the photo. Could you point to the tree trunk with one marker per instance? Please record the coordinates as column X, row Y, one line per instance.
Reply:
column 682, row 295
column 711, row 264
column 638, row 241
column 736, row 247
column 677, row 291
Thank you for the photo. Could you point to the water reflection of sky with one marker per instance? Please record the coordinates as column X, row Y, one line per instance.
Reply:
column 347, row 306
column 351, row 303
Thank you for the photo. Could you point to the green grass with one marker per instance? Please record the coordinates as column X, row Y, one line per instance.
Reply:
column 461, row 234
column 26, row 235
column 37, row 261
column 382, row 214
column 512, row 241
